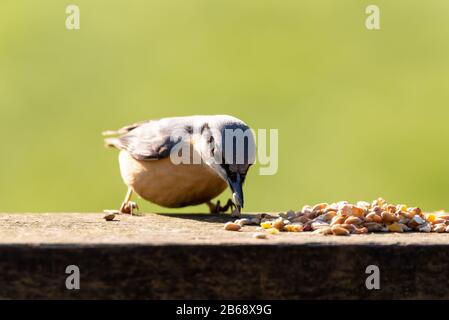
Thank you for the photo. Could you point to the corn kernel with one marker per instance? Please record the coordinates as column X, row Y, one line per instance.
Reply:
column 430, row 217
column 395, row 227
column 293, row 228
column 266, row 225
column 272, row 231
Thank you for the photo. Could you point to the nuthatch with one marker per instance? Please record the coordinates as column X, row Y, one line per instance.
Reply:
column 182, row 161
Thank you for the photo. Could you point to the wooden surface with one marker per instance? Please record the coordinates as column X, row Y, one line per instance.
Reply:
column 192, row 257
column 159, row 229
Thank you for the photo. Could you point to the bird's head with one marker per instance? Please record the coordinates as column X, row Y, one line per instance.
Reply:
column 228, row 147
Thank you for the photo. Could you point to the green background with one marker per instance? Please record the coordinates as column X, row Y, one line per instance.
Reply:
column 360, row 113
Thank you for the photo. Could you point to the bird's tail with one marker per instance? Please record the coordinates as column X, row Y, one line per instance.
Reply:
column 114, row 141
column 123, row 130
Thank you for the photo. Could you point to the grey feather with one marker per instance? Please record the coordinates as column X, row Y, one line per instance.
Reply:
column 155, row 139
column 146, row 141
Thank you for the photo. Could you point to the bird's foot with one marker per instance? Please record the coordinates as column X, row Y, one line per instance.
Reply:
column 236, row 212
column 217, row 208
column 128, row 207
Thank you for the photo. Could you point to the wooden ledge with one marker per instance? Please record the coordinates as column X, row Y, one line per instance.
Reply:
column 190, row 256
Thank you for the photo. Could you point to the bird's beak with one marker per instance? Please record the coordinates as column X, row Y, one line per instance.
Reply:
column 237, row 192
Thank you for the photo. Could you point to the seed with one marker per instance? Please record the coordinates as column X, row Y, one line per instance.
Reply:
column 109, row 217
column 373, row 226
column 331, row 207
column 362, row 230
column 267, row 216
column 425, row 227
column 266, row 225
column 363, row 204
column 323, row 231
column 341, row 204
column 359, row 212
column 391, row 208
column 243, row 222
column 351, row 210
column 330, row 214
column 323, row 218
column 404, row 220
column 395, row 227
column 438, row 220
column 278, row 223
column 388, row 217
column 231, row 226
column 373, row 217
column 376, row 210
column 416, row 221
column 272, row 231
column 291, row 214
column 302, row 219
column 379, row 202
column 308, row 226
column 306, row 209
column 430, row 217
column 353, row 220
column 259, row 235
column 415, row 210
column 319, row 207
column 339, row 231
column 345, row 210
column 441, row 227
column 407, row 214
column 327, row 216
column 294, row 228
column 337, row 220
column 282, row 215
column 319, row 224
column 313, row 215
column 255, row 220
column 349, row 227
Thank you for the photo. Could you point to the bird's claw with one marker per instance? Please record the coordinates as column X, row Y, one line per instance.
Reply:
column 236, row 212
column 217, row 208
column 129, row 207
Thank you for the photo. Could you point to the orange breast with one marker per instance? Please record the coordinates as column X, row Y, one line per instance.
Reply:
column 170, row 185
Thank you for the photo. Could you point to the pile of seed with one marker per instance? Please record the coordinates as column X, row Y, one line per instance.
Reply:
column 343, row 218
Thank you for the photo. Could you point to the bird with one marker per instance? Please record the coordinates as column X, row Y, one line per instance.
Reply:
column 176, row 162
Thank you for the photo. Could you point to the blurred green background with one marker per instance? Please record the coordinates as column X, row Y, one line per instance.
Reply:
column 360, row 113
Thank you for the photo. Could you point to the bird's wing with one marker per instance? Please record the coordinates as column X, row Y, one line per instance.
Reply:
column 149, row 140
